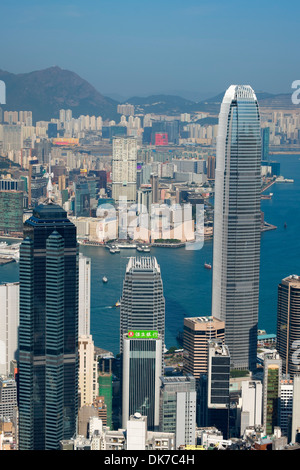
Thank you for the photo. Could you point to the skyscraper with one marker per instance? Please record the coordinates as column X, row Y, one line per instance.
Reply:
column 9, row 322
column 236, row 257
column 178, row 408
column 48, row 333
column 288, row 324
column 124, row 169
column 84, row 295
column 265, row 144
column 142, row 303
column 197, row 333
column 142, row 360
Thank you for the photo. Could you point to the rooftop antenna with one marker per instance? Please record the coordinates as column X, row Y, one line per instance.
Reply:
column 49, row 175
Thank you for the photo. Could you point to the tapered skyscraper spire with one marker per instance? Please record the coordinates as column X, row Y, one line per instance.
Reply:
column 237, row 223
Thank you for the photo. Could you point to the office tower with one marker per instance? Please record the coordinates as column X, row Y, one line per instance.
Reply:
column 9, row 324
column 144, row 200
column 211, row 166
column 82, row 199
column 286, row 405
column 197, row 332
column 288, row 324
column 155, row 188
column 271, row 391
column 48, row 333
column 295, row 434
column 142, row 303
column 237, row 225
column 8, row 398
column 124, row 169
column 251, row 409
column 84, row 306
column 265, row 144
column 12, row 138
column 178, row 408
column 218, row 386
column 142, row 368
column 11, row 212
column 87, row 371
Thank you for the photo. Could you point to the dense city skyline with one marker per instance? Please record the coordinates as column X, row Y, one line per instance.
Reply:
column 149, row 245
column 194, row 47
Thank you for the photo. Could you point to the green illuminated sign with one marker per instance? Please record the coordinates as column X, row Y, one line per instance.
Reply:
column 142, row 334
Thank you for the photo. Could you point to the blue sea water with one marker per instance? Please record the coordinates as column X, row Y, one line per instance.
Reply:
column 187, row 284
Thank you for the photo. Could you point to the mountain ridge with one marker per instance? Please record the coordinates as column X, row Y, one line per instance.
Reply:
column 46, row 91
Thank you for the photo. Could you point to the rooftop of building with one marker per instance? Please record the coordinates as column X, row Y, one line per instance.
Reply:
column 143, row 263
column 203, row 322
column 293, row 280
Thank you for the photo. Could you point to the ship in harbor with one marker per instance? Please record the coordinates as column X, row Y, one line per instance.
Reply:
column 10, row 252
column 207, row 265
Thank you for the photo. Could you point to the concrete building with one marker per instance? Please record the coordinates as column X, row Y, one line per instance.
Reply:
column 87, row 373
column 124, row 169
column 178, row 408
column 196, row 335
column 286, row 405
column 295, row 434
column 251, row 409
column 9, row 325
column 84, row 305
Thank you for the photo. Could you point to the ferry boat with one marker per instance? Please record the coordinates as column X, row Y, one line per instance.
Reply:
column 207, row 265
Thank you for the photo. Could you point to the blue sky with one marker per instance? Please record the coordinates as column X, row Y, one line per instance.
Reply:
column 138, row 47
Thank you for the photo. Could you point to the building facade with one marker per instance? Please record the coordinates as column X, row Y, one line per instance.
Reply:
column 142, row 302
column 178, row 408
column 48, row 333
column 141, row 372
column 9, row 324
column 196, row 335
column 124, row 169
column 288, row 324
column 237, row 224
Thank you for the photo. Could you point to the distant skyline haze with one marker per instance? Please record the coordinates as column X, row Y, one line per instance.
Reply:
column 196, row 49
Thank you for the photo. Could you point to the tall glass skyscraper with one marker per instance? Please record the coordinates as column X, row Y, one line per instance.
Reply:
column 237, row 224
column 142, row 330
column 48, row 333
column 143, row 302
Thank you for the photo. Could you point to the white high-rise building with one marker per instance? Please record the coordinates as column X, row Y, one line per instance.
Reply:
column 178, row 408
column 87, row 371
column 296, row 409
column 9, row 324
column 237, row 224
column 124, row 169
column 251, row 410
column 84, row 305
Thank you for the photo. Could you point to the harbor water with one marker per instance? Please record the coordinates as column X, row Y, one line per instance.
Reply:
column 187, row 284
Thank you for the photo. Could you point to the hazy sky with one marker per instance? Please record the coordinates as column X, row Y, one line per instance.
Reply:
column 133, row 47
